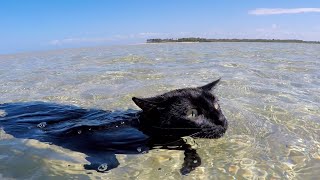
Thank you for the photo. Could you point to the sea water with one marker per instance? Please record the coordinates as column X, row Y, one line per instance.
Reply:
column 269, row 92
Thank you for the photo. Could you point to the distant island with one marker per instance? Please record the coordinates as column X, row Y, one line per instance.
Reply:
column 193, row 39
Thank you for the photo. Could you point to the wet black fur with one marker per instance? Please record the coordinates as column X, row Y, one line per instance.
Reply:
column 102, row 134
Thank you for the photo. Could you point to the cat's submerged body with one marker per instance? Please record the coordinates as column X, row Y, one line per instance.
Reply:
column 100, row 134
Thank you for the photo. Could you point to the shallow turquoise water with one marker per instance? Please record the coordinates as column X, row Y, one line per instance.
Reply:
column 269, row 93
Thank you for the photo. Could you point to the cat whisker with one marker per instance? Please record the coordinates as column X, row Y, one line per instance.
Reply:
column 194, row 134
column 157, row 127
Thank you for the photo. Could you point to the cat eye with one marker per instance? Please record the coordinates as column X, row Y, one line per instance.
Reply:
column 192, row 113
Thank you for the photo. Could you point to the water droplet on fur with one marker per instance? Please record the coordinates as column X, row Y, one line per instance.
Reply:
column 103, row 167
column 139, row 149
column 89, row 129
column 122, row 122
column 42, row 125
column 195, row 161
column 116, row 126
column 79, row 131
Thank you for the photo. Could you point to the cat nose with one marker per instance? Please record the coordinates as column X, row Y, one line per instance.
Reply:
column 223, row 121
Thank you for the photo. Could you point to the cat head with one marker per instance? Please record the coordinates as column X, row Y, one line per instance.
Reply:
column 191, row 112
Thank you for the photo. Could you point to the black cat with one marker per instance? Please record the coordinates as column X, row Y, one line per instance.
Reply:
column 184, row 112
column 163, row 121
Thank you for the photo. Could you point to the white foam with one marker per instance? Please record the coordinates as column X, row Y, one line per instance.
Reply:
column 2, row 113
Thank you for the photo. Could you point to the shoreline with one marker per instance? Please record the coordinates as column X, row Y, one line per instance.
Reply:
column 202, row 40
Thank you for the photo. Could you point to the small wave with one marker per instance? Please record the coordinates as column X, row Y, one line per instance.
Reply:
column 2, row 113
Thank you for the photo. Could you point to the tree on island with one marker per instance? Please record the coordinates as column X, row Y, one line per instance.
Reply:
column 197, row 39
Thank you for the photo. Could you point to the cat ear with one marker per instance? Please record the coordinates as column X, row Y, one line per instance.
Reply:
column 144, row 104
column 209, row 86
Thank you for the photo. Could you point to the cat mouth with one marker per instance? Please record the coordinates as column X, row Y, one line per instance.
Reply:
column 177, row 132
column 211, row 132
column 207, row 132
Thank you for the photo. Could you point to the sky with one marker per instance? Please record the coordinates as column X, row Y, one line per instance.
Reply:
column 36, row 25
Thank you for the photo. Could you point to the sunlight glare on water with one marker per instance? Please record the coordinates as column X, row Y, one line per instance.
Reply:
column 269, row 93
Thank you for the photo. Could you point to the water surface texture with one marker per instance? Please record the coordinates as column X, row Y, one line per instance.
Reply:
column 269, row 93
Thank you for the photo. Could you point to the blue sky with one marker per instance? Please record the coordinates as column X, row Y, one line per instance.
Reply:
column 33, row 25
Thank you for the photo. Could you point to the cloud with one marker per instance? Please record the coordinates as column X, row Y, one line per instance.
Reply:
column 274, row 26
column 266, row 11
column 78, row 40
column 114, row 38
column 149, row 34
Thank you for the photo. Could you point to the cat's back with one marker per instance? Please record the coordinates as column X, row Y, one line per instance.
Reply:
column 71, row 126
